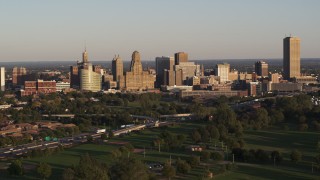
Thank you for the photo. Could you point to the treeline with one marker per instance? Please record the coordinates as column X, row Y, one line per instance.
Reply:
column 297, row 110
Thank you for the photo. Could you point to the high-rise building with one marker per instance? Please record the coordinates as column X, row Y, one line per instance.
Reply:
column 163, row 64
column 188, row 70
column 261, row 69
column 86, row 76
column 136, row 78
column 291, row 57
column 18, row 75
column 169, row 78
column 2, row 79
column 74, row 77
column 117, row 68
column 222, row 70
column 180, row 57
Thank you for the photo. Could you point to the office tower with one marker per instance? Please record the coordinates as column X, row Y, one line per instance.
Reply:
column 89, row 80
column 117, row 68
column 136, row 66
column 169, row 78
column 188, row 70
column 179, row 77
column 274, row 78
column 86, row 76
column 180, row 57
column 74, row 77
column 163, row 64
column 261, row 68
column 18, row 75
column 2, row 79
column 136, row 78
column 222, row 70
column 291, row 57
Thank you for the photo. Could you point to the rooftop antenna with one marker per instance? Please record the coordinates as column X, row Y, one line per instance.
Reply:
column 85, row 45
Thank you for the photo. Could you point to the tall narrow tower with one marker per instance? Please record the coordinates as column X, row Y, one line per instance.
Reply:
column 85, row 56
column 2, row 79
column 136, row 66
column 291, row 57
column 117, row 68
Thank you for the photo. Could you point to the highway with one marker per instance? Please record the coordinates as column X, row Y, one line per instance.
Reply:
column 16, row 151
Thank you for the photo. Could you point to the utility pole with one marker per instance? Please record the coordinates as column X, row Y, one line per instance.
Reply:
column 227, row 152
column 232, row 158
column 274, row 161
column 170, row 160
column 144, row 152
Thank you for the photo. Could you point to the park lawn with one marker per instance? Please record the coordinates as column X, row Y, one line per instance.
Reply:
column 265, row 172
column 283, row 141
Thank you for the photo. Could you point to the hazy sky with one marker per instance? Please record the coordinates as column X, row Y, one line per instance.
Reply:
column 38, row 30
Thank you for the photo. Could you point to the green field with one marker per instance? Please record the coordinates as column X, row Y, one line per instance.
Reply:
column 284, row 141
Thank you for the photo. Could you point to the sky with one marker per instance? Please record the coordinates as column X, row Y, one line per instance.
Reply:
column 57, row 30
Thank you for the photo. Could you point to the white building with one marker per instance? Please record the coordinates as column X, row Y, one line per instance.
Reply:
column 60, row 86
column 222, row 70
column 2, row 79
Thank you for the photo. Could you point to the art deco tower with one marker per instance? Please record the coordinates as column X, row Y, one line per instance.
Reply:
column 291, row 57
column 136, row 66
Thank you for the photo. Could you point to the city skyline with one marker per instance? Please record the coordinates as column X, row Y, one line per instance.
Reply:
column 34, row 31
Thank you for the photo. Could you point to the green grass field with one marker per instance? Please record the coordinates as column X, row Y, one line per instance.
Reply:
column 283, row 141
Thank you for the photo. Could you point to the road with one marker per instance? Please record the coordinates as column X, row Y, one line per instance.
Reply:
column 15, row 151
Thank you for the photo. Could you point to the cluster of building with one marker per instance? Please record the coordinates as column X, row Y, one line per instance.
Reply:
column 175, row 74
column 21, row 129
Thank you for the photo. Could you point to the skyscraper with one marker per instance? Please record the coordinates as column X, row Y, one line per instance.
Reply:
column 85, row 76
column 163, row 64
column 117, row 68
column 2, row 79
column 291, row 57
column 222, row 70
column 180, row 57
column 261, row 68
column 136, row 78
column 18, row 75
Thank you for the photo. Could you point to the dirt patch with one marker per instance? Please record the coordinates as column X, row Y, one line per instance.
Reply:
column 118, row 143
column 138, row 150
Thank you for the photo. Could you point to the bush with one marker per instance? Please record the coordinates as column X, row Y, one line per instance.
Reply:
column 295, row 156
column 205, row 155
column 182, row 166
column 216, row 156
column 16, row 168
column 194, row 161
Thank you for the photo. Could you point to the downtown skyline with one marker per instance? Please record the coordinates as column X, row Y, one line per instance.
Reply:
column 57, row 31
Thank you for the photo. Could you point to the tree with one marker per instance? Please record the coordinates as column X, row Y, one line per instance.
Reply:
column 276, row 156
column 205, row 155
column 128, row 168
column 182, row 166
column 68, row 174
column 16, row 168
column 196, row 136
column 295, row 156
column 104, row 136
column 194, row 161
column 90, row 169
column 158, row 142
column 111, row 135
column 168, row 171
column 44, row 170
